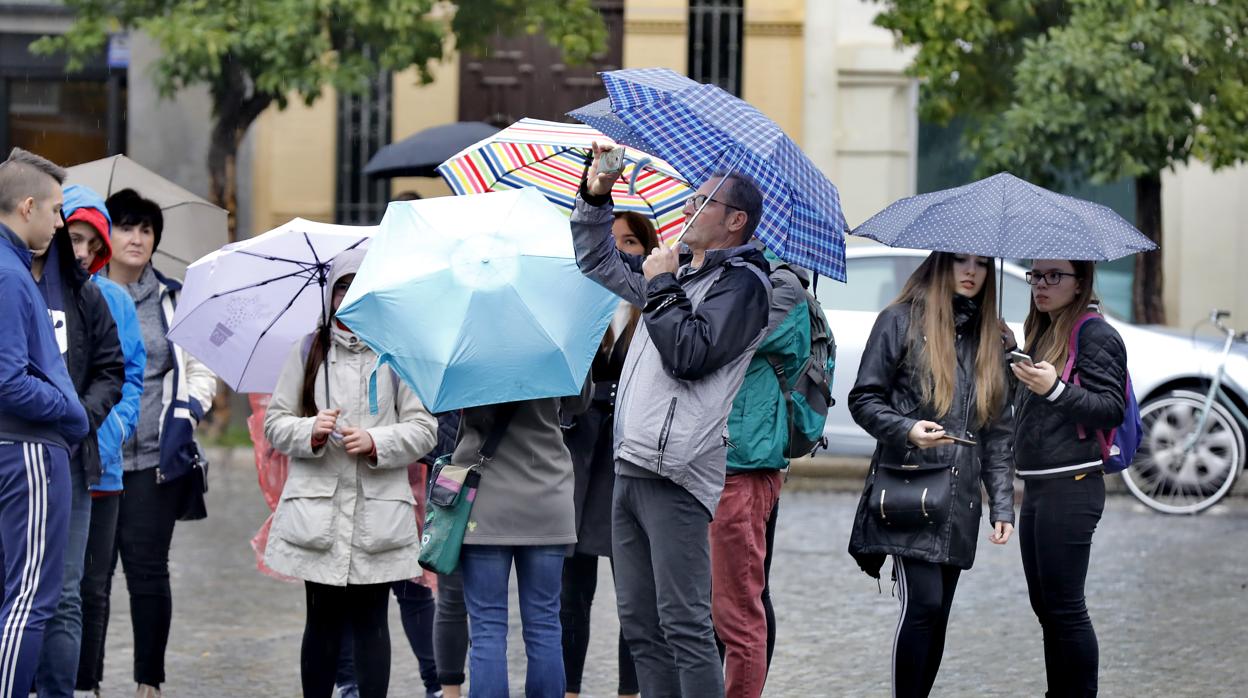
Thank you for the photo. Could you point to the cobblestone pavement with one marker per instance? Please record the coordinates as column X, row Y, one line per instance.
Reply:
column 1169, row 597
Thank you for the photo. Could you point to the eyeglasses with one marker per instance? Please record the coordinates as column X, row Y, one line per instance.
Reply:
column 698, row 200
column 1050, row 278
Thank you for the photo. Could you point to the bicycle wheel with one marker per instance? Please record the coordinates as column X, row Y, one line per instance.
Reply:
column 1166, row 479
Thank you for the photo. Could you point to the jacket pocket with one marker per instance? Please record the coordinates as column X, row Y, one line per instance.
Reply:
column 306, row 514
column 388, row 520
column 666, row 432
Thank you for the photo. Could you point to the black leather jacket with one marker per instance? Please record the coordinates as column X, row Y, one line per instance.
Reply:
column 885, row 401
column 1046, row 442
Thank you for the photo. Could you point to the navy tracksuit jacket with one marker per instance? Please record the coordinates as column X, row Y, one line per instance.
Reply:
column 41, row 419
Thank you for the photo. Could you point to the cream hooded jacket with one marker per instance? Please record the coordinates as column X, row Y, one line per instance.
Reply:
column 345, row 519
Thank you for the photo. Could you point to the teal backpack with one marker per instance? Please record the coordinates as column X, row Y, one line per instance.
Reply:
column 808, row 395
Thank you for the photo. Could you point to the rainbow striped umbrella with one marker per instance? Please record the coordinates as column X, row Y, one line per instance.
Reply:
column 551, row 157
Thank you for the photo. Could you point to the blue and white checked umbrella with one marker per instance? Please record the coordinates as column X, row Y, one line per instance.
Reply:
column 1004, row 216
column 700, row 130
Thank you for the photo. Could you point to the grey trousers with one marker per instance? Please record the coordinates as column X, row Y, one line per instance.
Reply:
column 663, row 587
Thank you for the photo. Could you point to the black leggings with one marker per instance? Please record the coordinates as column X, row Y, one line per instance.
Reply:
column 580, row 581
column 1055, row 530
column 330, row 609
column 926, row 592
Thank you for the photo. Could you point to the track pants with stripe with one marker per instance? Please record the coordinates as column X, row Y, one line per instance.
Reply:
column 34, row 522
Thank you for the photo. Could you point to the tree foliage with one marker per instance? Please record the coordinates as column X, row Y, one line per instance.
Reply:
column 280, row 48
column 1096, row 90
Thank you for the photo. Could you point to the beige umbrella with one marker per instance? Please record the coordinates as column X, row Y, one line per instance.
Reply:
column 193, row 226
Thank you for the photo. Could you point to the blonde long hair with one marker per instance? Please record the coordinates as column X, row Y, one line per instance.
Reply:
column 1047, row 335
column 929, row 291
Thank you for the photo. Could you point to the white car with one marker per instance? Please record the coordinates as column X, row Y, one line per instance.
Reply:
column 1161, row 361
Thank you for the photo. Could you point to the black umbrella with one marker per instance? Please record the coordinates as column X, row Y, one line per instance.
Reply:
column 419, row 154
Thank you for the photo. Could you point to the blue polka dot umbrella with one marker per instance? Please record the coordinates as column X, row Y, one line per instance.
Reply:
column 701, row 130
column 1004, row 216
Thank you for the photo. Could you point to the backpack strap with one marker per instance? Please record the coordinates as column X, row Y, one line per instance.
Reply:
column 1104, row 439
column 1072, row 346
column 502, row 419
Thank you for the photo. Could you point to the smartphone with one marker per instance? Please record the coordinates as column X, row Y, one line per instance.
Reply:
column 612, row 161
column 956, row 439
column 1019, row 357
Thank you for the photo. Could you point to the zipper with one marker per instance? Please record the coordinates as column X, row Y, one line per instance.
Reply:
column 666, row 432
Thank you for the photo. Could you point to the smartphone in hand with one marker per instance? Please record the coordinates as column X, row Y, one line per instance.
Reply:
column 612, row 161
column 1019, row 357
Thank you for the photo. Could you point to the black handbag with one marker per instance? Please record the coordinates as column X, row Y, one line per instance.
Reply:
column 911, row 498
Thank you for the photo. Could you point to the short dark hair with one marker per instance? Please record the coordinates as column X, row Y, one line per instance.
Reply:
column 743, row 194
column 25, row 174
column 127, row 208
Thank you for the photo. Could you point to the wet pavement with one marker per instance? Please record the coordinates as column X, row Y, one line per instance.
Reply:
column 1168, row 596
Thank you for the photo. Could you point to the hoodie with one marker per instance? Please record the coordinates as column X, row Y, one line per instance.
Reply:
column 37, row 398
column 84, row 204
column 91, row 348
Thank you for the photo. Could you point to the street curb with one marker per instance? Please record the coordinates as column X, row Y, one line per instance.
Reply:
column 810, row 474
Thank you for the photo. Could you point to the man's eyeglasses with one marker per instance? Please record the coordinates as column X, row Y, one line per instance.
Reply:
column 1050, row 278
column 697, row 200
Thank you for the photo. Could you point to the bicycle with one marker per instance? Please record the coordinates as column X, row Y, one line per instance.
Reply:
column 1191, row 454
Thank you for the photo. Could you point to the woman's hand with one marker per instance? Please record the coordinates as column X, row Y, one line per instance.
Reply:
column 324, row 424
column 1038, row 378
column 1007, row 335
column 357, row 441
column 925, row 435
column 599, row 184
column 1001, row 532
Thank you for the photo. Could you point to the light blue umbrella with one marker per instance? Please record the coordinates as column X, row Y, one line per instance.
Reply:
column 477, row 300
column 701, row 130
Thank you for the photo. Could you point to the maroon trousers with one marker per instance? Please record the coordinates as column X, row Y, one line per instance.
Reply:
column 738, row 550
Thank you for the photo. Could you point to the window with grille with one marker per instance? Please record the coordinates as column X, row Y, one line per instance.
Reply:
column 363, row 128
column 716, row 30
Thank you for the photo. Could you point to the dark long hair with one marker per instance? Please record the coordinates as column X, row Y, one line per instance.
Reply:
column 312, row 366
column 929, row 291
column 1047, row 334
column 317, row 351
column 644, row 231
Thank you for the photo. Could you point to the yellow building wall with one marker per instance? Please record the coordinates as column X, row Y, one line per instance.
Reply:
column 293, row 165
column 772, row 61
column 294, row 150
column 655, row 34
column 417, row 107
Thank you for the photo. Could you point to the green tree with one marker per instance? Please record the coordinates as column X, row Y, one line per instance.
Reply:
column 1091, row 89
column 252, row 54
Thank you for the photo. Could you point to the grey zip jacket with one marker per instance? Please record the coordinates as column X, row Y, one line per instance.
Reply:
column 688, row 357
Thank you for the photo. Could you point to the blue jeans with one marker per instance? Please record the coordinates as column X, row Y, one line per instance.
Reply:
column 58, row 660
column 539, row 575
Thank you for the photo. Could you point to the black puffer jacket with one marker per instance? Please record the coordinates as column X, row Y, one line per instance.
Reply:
column 1046, row 442
column 95, row 362
column 886, row 402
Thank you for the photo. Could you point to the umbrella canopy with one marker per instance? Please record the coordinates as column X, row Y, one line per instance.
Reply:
column 551, row 157
column 419, row 154
column 701, row 130
column 477, row 300
column 193, row 226
column 1004, row 216
column 245, row 305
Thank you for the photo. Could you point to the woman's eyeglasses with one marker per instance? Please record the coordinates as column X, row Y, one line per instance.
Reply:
column 1050, row 278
